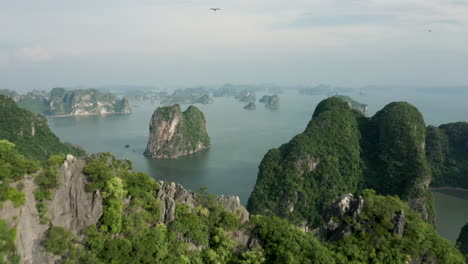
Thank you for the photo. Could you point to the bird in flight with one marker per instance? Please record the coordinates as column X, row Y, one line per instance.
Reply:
column 430, row 30
column 214, row 9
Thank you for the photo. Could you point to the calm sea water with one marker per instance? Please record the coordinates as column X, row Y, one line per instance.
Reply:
column 241, row 138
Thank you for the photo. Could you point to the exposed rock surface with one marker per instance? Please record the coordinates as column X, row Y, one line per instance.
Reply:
column 335, row 227
column 171, row 194
column 174, row 133
column 71, row 206
column 85, row 102
column 30, row 232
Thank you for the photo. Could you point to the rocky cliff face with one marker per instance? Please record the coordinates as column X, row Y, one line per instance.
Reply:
column 174, row 134
column 85, row 102
column 171, row 194
column 71, row 207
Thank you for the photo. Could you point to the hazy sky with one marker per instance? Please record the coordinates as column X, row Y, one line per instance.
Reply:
column 51, row 43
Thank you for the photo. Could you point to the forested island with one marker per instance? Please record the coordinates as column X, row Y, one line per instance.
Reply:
column 349, row 189
column 174, row 133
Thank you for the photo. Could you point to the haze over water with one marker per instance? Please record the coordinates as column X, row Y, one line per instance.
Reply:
column 241, row 138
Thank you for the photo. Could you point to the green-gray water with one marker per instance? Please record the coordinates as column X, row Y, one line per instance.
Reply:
column 241, row 138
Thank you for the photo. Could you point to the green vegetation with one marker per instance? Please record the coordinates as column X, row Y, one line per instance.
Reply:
column 373, row 240
column 31, row 133
column 7, row 244
column 13, row 167
column 462, row 241
column 47, row 181
column 341, row 151
column 58, row 240
column 304, row 176
column 446, row 150
column 194, row 128
column 395, row 156
column 131, row 231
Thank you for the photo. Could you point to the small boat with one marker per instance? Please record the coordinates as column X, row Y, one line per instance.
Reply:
column 127, row 146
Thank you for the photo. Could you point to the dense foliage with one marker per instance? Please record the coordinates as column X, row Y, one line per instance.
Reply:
column 30, row 133
column 13, row 167
column 373, row 239
column 7, row 244
column 302, row 177
column 447, row 152
column 131, row 229
column 462, row 241
column 195, row 127
column 341, row 151
column 395, row 156
column 47, row 181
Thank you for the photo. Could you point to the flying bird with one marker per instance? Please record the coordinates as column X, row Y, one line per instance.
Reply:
column 430, row 30
column 214, row 9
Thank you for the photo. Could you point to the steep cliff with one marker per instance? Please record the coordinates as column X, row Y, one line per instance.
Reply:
column 85, row 102
column 446, row 150
column 30, row 133
column 174, row 133
column 71, row 207
column 342, row 151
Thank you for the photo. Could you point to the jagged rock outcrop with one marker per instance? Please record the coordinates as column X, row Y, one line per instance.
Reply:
column 335, row 227
column 171, row 194
column 270, row 101
column 174, row 133
column 29, row 231
column 71, row 206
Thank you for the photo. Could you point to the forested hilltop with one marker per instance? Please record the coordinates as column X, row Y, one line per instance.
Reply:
column 60, row 101
column 342, row 151
column 30, row 132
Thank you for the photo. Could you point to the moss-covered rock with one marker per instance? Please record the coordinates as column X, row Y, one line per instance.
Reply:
column 174, row 133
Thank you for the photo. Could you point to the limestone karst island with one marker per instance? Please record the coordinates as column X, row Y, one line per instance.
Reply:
column 173, row 133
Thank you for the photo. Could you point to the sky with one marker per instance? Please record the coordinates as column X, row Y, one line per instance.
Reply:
column 50, row 43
